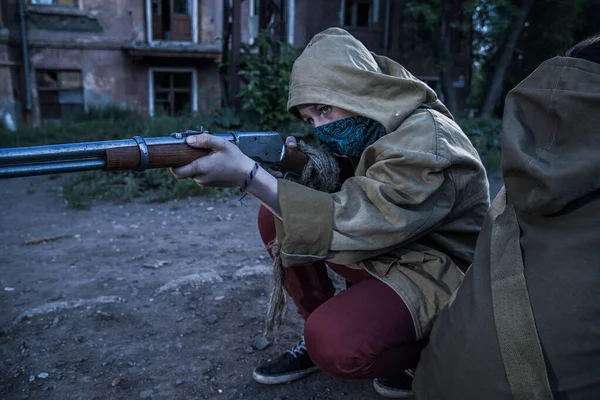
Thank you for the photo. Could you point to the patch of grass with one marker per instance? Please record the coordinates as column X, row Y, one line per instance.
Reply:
column 76, row 200
column 31, row 189
column 81, row 188
column 163, row 187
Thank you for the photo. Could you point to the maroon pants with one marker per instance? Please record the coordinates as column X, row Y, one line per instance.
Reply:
column 365, row 331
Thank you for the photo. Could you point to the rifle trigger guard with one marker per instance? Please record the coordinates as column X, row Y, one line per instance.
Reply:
column 144, row 155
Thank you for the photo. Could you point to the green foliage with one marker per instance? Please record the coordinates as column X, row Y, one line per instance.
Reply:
column 422, row 16
column 108, row 124
column 267, row 78
column 113, row 123
column 485, row 134
column 492, row 21
column 80, row 189
column 424, row 20
column 157, row 185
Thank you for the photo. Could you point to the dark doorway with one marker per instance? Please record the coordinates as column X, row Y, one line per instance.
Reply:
column 172, row 20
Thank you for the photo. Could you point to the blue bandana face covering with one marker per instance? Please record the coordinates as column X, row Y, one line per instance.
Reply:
column 350, row 136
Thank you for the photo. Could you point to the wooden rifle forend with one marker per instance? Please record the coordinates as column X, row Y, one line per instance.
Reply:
column 159, row 156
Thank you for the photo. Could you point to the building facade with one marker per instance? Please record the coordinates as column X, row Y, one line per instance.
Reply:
column 152, row 55
column 58, row 57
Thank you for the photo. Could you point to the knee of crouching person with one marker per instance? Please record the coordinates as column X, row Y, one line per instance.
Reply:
column 330, row 352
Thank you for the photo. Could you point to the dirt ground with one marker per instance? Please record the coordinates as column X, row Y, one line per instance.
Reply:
column 138, row 301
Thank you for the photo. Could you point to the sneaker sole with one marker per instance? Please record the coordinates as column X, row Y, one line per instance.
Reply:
column 391, row 393
column 284, row 378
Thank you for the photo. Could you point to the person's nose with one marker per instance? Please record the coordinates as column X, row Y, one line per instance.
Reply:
column 318, row 121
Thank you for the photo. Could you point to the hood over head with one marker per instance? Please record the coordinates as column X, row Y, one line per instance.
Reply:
column 337, row 70
column 551, row 136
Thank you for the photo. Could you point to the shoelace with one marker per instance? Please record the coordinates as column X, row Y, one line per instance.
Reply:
column 298, row 350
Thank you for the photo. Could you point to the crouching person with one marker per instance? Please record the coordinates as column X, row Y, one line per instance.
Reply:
column 401, row 228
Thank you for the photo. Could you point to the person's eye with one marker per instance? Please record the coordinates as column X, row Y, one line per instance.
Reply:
column 310, row 121
column 324, row 110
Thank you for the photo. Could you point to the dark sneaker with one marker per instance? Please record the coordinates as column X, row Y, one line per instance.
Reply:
column 396, row 386
column 292, row 365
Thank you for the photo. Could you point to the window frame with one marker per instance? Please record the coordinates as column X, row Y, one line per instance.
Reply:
column 58, row 90
column 193, row 91
column 76, row 4
column 373, row 18
column 195, row 24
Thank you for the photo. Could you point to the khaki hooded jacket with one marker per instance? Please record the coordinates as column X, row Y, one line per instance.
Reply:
column 525, row 322
column 412, row 211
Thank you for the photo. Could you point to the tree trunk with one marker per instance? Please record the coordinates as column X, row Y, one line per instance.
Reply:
column 495, row 88
column 448, row 57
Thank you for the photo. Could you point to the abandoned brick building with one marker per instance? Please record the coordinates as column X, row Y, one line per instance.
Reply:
column 62, row 56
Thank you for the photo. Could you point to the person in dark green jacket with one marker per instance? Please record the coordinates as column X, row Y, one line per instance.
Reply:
column 524, row 324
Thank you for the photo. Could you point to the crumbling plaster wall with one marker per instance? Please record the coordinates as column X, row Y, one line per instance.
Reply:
column 211, row 21
column 109, row 78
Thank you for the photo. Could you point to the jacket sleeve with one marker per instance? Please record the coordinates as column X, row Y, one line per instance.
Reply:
column 397, row 194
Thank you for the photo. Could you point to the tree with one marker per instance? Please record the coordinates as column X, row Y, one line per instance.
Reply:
column 495, row 88
column 549, row 29
column 438, row 27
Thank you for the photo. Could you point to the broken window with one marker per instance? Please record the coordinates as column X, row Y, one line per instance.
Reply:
column 63, row 3
column 172, row 20
column 359, row 13
column 60, row 93
column 173, row 92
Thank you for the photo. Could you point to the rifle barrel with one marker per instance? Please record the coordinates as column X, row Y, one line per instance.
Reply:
column 53, row 152
column 17, row 171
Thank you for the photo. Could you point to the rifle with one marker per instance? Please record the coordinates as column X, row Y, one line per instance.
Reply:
column 137, row 154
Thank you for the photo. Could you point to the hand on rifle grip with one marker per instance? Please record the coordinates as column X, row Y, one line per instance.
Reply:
column 294, row 160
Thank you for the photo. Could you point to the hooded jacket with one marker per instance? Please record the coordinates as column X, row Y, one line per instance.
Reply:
column 411, row 213
column 524, row 323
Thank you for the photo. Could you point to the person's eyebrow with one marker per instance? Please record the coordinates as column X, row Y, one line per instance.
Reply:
column 306, row 110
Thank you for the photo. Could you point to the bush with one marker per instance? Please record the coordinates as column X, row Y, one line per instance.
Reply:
column 485, row 134
column 267, row 78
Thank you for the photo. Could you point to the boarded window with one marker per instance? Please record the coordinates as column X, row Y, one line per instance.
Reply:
column 64, row 3
column 359, row 13
column 173, row 92
column 60, row 93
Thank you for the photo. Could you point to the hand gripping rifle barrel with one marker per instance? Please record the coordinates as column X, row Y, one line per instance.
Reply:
column 137, row 154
